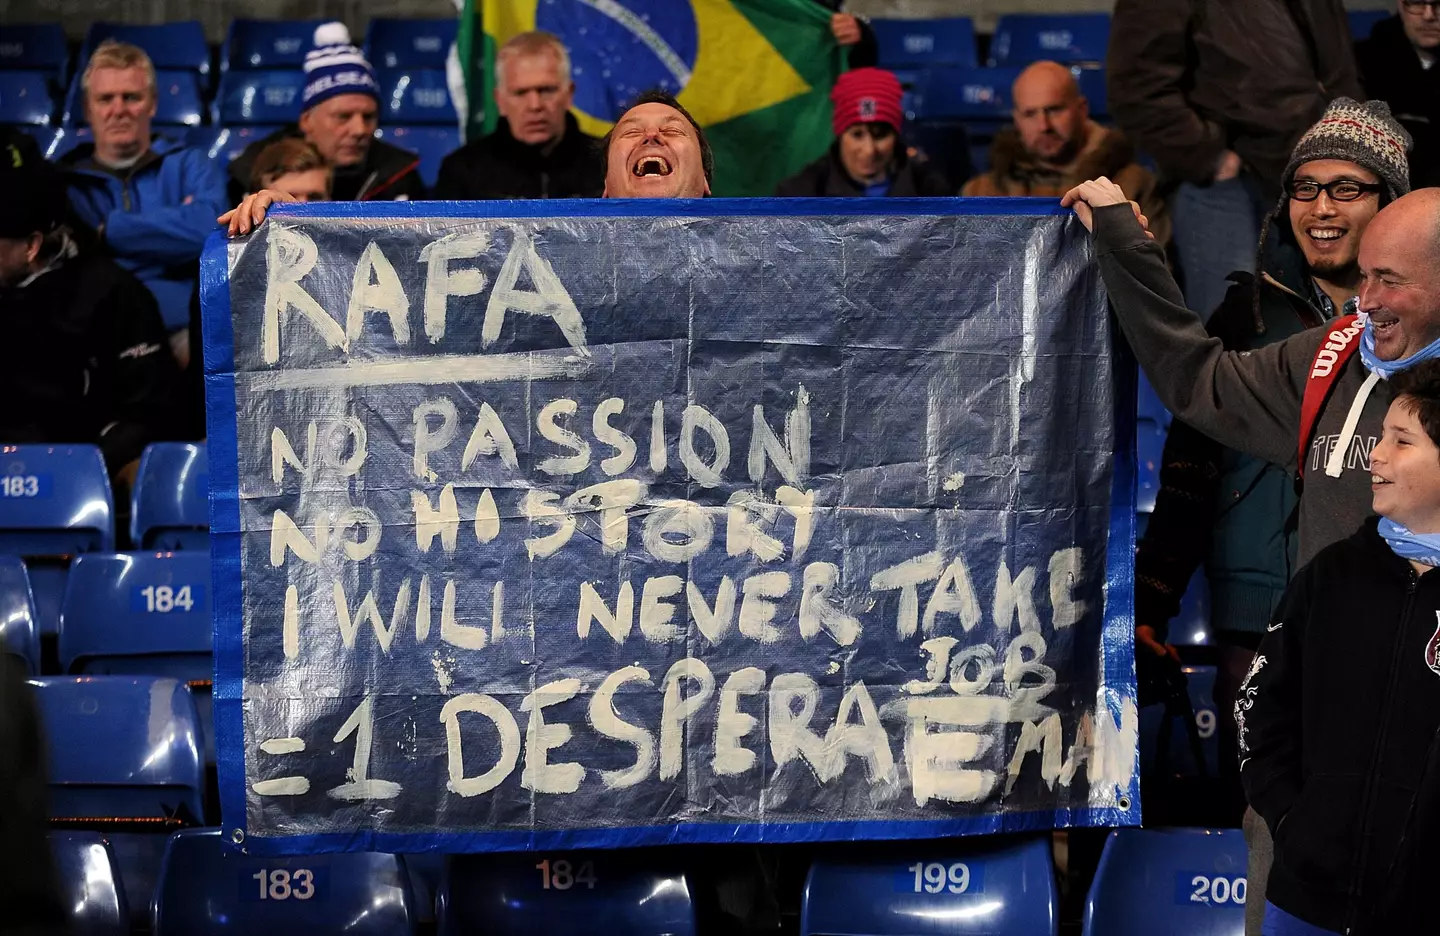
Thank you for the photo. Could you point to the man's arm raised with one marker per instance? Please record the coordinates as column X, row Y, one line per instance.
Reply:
column 1249, row 401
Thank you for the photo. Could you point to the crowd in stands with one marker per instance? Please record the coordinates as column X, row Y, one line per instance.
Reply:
column 1269, row 245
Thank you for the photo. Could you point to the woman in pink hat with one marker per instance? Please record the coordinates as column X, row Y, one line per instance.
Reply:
column 869, row 156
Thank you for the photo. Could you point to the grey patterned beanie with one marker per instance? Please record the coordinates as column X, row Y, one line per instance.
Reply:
column 1364, row 134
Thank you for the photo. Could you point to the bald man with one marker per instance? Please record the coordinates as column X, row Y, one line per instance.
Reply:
column 1054, row 146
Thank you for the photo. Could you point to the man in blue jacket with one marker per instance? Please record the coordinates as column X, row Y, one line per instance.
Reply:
column 150, row 201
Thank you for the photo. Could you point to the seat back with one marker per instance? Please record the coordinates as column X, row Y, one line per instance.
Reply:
column 924, row 43
column 432, row 144
column 267, row 44
column 19, row 631
column 224, row 144
column 409, row 43
column 178, row 46
column 418, row 96
column 1092, row 85
column 564, row 894
column 1363, row 21
column 170, row 505
column 1070, row 39
column 207, row 889
column 143, row 608
column 89, row 881
column 37, row 46
column 259, row 97
column 1182, row 882
column 25, row 98
column 180, row 101
column 960, row 886
column 981, row 94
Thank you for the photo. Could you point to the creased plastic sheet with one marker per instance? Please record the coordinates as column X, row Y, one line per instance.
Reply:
column 585, row 525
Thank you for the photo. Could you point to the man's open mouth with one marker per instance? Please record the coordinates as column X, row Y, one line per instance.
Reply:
column 651, row 166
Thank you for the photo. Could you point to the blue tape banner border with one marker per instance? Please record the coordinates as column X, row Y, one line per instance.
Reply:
column 219, row 349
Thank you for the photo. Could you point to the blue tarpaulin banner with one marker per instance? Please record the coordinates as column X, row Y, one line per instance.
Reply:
column 605, row 524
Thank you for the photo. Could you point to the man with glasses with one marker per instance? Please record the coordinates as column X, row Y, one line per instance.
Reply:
column 1397, row 65
column 1280, row 389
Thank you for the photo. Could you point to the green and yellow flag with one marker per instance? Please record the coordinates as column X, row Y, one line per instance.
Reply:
column 756, row 74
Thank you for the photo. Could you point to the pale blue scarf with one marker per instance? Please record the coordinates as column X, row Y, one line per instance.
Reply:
column 1387, row 369
column 1420, row 547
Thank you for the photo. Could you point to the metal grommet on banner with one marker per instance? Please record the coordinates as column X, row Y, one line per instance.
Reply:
column 1124, row 802
column 237, row 836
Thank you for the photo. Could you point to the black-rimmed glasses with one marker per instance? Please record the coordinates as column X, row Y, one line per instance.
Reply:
column 1341, row 190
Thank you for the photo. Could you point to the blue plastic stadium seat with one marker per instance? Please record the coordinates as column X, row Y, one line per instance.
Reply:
column 55, row 502
column 142, row 613
column 35, row 46
column 170, row 507
column 177, row 46
column 409, row 43
column 89, row 882
column 923, row 43
column 589, row 892
column 1180, row 882
column 227, row 143
column 1092, row 85
column 207, row 889
column 1363, row 21
column 25, row 98
column 1071, row 39
column 180, row 100
column 124, row 758
column 66, row 140
column 1191, row 627
column 1179, row 758
column 1149, row 452
column 963, row 886
column 19, row 632
column 967, row 93
column 258, row 97
column 45, row 137
column 419, row 96
column 432, row 144
column 1148, row 405
column 267, row 44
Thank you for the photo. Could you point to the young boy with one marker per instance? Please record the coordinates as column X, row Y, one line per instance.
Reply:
column 1338, row 716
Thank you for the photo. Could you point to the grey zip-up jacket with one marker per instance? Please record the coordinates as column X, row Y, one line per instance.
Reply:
column 1249, row 401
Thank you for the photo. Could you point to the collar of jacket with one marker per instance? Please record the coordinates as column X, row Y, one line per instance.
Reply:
column 82, row 158
column 1106, row 152
column 840, row 182
column 574, row 140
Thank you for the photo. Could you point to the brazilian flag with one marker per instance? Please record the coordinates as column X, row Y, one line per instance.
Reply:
column 756, row 74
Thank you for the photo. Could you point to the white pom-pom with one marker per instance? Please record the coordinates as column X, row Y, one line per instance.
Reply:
column 331, row 34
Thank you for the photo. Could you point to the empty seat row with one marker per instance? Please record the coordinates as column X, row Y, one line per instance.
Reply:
column 982, row 94
column 249, row 44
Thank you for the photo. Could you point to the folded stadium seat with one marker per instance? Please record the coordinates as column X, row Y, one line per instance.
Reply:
column 564, row 894
column 142, row 613
column 1180, row 882
column 25, row 98
column 171, row 46
column 258, row 45
column 925, row 43
column 960, row 886
column 418, row 96
column 1168, row 747
column 1071, row 39
column 89, row 882
column 19, row 634
column 35, row 47
column 209, row 889
column 1149, row 452
column 432, row 144
column 55, row 502
column 1363, row 21
column 170, row 503
column 227, row 143
column 258, row 97
column 125, row 761
column 409, row 43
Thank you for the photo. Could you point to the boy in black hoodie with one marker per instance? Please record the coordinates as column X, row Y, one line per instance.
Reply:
column 1338, row 716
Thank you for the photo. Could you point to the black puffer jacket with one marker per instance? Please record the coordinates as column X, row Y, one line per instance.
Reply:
column 500, row 166
column 1338, row 722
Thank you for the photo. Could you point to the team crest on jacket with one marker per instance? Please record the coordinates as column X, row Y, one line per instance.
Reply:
column 1432, row 649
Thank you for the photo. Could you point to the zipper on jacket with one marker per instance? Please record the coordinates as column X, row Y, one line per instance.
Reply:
column 1357, row 867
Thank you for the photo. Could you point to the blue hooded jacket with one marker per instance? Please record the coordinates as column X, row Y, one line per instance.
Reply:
column 156, row 216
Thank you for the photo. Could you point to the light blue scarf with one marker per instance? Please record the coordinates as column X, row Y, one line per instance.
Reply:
column 1421, row 547
column 1387, row 369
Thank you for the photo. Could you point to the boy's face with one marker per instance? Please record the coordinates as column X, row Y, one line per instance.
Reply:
column 1405, row 471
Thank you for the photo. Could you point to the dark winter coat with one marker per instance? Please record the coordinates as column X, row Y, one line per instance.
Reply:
column 826, row 178
column 1189, row 79
column 388, row 173
column 29, row 900
column 85, row 359
column 1391, row 71
column 500, row 166
column 1337, row 724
